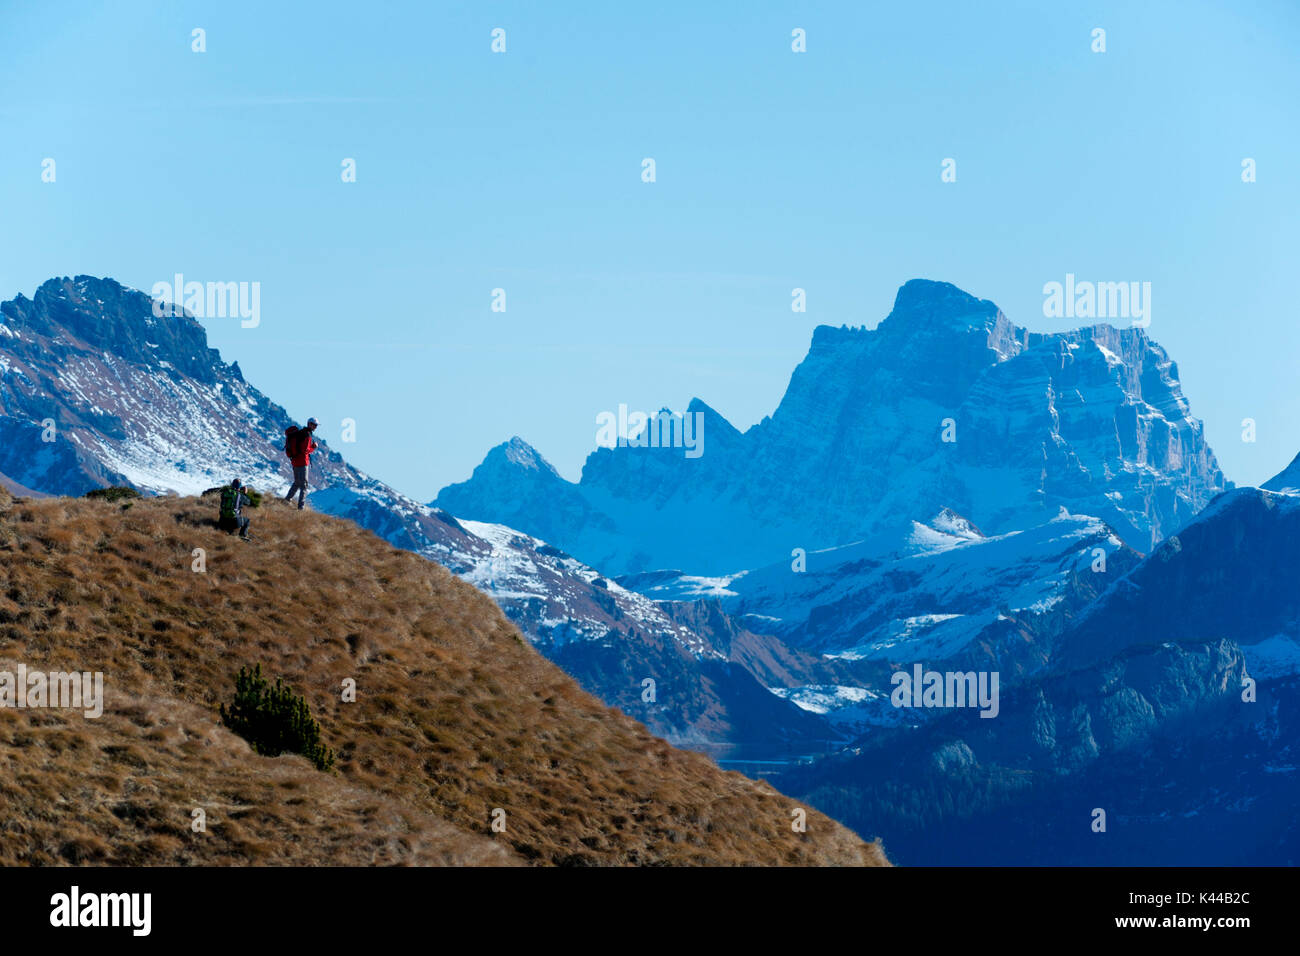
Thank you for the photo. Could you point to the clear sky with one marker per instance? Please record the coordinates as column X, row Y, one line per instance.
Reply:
column 774, row 170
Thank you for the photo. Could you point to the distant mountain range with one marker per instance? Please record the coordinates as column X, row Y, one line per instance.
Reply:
column 946, row 404
column 949, row 491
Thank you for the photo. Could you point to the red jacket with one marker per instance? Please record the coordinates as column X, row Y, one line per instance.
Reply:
column 303, row 458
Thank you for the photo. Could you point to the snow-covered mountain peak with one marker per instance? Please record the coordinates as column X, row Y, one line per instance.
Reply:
column 523, row 455
column 922, row 305
column 951, row 523
column 103, row 314
column 1287, row 481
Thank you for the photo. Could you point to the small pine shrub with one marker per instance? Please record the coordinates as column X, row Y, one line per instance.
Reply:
column 115, row 493
column 274, row 720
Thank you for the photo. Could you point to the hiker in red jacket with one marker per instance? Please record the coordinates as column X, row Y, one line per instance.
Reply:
column 298, row 445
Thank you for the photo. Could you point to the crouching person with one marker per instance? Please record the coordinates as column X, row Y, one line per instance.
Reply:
column 233, row 500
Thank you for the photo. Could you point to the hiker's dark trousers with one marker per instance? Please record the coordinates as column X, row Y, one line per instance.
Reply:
column 238, row 523
column 299, row 485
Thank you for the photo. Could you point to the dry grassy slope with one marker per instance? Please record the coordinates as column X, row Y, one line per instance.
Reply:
column 455, row 713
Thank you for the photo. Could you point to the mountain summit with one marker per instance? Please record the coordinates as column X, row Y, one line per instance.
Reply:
column 923, row 305
column 1286, row 481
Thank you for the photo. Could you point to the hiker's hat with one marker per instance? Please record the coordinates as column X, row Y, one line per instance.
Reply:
column 312, row 421
column 234, row 483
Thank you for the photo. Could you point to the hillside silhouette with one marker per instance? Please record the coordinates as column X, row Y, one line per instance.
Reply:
column 455, row 714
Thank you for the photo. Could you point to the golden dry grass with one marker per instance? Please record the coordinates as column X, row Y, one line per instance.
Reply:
column 455, row 715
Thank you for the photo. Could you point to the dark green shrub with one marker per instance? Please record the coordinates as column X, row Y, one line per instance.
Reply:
column 115, row 493
column 274, row 720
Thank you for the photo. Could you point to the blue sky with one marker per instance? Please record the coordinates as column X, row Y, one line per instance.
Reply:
column 774, row 170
